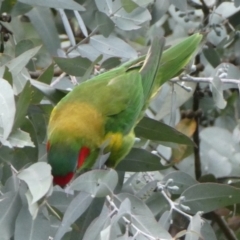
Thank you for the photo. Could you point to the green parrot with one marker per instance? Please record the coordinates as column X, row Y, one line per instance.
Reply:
column 105, row 109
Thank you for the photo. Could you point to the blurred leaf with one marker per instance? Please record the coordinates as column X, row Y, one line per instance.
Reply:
column 181, row 5
column 162, row 103
column 71, row 5
column 10, row 204
column 19, row 139
column 104, row 24
column 60, row 200
column 208, row 197
column 157, row 203
column 87, row 74
column 42, row 20
column 96, row 226
column 88, row 217
column 157, row 131
column 140, row 160
column 219, row 152
column 20, row 9
column 22, row 47
column 45, row 77
column 180, row 181
column 147, row 190
column 111, row 63
column 98, row 183
column 194, row 228
column 128, row 5
column 17, row 64
column 186, row 126
column 52, row 94
column 8, row 76
column 22, row 106
column 7, row 109
column 28, row 228
column 75, row 209
column 218, row 92
column 207, row 231
column 113, row 46
column 212, row 56
column 38, row 178
column 236, row 3
column 142, row 217
column 122, row 19
column 74, row 66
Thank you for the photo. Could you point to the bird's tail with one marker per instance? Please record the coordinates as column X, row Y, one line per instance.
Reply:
column 160, row 66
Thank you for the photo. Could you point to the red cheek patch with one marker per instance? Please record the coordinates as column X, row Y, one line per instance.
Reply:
column 83, row 154
column 63, row 180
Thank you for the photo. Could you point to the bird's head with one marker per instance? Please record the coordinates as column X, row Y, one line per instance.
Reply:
column 65, row 159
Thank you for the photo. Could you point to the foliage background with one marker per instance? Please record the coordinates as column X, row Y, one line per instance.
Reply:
column 193, row 193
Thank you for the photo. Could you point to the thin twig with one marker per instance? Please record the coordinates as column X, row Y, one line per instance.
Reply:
column 188, row 78
column 223, row 226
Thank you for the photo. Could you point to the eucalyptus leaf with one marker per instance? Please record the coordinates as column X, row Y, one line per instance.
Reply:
column 28, row 228
column 179, row 182
column 22, row 106
column 71, row 5
column 218, row 92
column 98, row 183
column 212, row 56
column 207, row 197
column 60, row 200
column 142, row 217
column 104, row 24
column 38, row 178
column 157, row 131
column 74, row 66
column 75, row 209
column 42, row 20
column 94, row 229
column 45, row 77
column 7, row 109
column 113, row 46
column 17, row 64
column 52, row 94
column 140, row 160
column 194, row 228
column 19, row 139
column 10, row 205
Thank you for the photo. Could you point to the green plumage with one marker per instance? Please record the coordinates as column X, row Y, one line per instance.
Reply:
column 106, row 109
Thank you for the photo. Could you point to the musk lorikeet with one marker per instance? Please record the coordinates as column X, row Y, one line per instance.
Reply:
column 106, row 108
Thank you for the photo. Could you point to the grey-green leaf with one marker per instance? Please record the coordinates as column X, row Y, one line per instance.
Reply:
column 28, row 228
column 22, row 105
column 218, row 92
column 42, row 20
column 179, row 182
column 208, row 197
column 75, row 209
column 71, row 5
column 140, row 160
column 157, row 131
column 74, row 66
column 7, row 109
column 10, row 204
column 38, row 178
column 98, row 183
